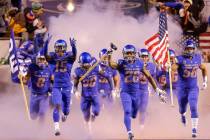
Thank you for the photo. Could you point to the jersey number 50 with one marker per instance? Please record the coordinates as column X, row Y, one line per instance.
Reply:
column 190, row 73
column 89, row 82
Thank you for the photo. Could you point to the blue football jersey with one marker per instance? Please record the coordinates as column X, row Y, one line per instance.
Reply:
column 161, row 77
column 90, row 82
column 61, row 68
column 129, row 75
column 143, row 79
column 39, row 79
column 188, row 70
column 106, row 81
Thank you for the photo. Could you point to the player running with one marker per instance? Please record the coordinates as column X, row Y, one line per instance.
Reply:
column 108, row 85
column 143, row 81
column 61, row 63
column 188, row 64
column 90, row 105
column 130, row 68
column 39, row 77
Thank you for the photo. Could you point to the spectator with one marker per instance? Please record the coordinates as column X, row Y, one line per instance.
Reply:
column 37, row 9
column 17, row 4
column 196, row 8
column 4, row 7
column 29, row 19
column 16, row 20
column 189, row 22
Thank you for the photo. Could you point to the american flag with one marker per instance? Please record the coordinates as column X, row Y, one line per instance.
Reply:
column 204, row 40
column 158, row 44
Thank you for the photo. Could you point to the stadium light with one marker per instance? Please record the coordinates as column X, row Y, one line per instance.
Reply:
column 70, row 6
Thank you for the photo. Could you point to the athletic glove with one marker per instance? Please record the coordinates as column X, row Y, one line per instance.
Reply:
column 205, row 82
column 72, row 42
column 161, row 94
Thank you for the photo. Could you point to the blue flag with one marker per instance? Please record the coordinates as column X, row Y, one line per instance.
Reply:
column 13, row 61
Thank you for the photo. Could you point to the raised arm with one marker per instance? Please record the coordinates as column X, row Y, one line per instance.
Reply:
column 74, row 49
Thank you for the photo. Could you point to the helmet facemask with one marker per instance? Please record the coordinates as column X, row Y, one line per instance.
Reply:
column 189, row 51
column 85, row 65
column 105, row 60
column 145, row 58
column 41, row 62
column 60, row 50
column 129, row 56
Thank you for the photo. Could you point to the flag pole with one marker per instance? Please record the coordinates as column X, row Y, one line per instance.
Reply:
column 170, row 80
column 24, row 97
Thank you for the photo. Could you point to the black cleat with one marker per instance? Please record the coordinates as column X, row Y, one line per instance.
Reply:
column 194, row 133
column 130, row 136
column 57, row 133
column 64, row 118
column 183, row 119
column 92, row 117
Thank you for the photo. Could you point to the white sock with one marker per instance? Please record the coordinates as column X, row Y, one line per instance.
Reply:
column 129, row 132
column 184, row 114
column 56, row 124
column 194, row 122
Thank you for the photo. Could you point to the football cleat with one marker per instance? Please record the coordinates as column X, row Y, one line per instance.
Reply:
column 92, row 117
column 183, row 120
column 57, row 129
column 194, row 133
column 64, row 117
column 57, row 133
column 130, row 136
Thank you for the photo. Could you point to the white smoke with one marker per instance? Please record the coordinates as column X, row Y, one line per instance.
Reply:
column 95, row 28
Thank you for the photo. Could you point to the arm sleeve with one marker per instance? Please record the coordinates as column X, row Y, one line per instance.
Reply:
column 74, row 53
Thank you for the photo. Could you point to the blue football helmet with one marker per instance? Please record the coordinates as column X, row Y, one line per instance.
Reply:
column 172, row 53
column 129, row 53
column 144, row 55
column 143, row 52
column 41, row 61
column 85, row 60
column 60, row 46
column 189, row 48
column 103, row 53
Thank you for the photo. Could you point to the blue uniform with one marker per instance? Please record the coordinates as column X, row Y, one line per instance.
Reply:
column 105, row 85
column 89, row 92
column 164, row 82
column 130, row 88
column 61, row 92
column 40, row 85
column 144, row 93
column 188, row 83
column 175, row 82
